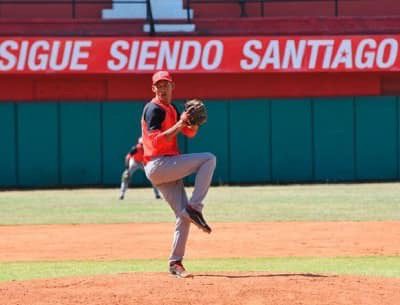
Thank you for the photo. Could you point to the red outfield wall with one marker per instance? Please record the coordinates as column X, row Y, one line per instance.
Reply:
column 226, row 86
column 17, row 88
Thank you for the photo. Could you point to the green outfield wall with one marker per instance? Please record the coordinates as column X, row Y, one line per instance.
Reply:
column 62, row 144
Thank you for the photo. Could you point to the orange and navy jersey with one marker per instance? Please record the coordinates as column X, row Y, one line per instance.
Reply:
column 157, row 118
column 136, row 153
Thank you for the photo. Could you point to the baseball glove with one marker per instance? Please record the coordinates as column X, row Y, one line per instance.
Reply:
column 197, row 112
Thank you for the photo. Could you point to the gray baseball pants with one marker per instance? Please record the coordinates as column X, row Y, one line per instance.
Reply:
column 167, row 174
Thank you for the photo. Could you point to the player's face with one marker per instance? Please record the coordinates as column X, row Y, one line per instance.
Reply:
column 163, row 90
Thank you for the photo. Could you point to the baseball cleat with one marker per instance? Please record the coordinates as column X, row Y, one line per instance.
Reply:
column 176, row 269
column 121, row 197
column 197, row 219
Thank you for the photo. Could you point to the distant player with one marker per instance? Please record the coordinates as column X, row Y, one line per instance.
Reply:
column 133, row 162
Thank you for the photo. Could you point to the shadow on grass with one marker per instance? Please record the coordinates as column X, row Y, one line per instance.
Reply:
column 263, row 275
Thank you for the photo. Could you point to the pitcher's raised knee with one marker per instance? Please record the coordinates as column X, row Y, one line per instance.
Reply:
column 212, row 158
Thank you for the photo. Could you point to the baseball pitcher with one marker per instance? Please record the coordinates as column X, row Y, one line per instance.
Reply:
column 166, row 167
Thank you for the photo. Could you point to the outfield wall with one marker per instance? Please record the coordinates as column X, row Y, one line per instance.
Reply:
column 61, row 144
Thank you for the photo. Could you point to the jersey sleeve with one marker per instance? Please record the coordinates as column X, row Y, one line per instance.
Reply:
column 154, row 117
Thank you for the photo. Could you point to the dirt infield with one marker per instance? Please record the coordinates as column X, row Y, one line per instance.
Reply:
column 204, row 289
column 126, row 241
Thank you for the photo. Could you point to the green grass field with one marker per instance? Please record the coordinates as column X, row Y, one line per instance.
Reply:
column 364, row 266
column 338, row 202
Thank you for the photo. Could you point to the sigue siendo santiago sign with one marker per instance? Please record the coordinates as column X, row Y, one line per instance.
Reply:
column 95, row 55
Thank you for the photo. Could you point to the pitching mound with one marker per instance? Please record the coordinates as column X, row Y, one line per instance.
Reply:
column 215, row 288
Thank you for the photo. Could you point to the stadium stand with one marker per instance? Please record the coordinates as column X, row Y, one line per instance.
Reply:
column 197, row 17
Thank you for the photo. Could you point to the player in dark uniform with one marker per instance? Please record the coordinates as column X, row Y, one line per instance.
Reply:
column 166, row 167
column 133, row 162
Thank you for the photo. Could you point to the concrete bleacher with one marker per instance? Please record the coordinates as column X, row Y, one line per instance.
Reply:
column 205, row 9
column 299, row 26
column 369, row 8
column 271, row 17
column 53, row 9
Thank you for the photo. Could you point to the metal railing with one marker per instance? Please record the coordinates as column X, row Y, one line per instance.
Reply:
column 243, row 5
column 150, row 18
